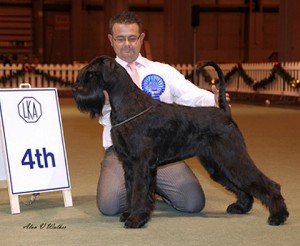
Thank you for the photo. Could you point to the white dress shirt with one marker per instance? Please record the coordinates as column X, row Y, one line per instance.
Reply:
column 164, row 83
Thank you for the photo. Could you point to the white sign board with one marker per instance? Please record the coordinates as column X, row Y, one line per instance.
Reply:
column 2, row 169
column 32, row 141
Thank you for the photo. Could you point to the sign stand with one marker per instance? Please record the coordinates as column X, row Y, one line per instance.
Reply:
column 14, row 204
column 33, row 149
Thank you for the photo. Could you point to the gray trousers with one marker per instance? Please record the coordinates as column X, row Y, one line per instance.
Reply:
column 176, row 184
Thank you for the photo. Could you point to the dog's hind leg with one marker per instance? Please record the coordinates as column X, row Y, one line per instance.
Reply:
column 228, row 156
column 250, row 179
column 242, row 172
column 268, row 192
column 244, row 201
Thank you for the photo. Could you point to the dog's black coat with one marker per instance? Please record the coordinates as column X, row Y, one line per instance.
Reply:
column 147, row 133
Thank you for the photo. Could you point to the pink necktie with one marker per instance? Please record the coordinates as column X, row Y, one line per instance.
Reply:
column 134, row 74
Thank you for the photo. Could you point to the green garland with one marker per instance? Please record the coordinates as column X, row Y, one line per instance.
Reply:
column 31, row 69
column 238, row 69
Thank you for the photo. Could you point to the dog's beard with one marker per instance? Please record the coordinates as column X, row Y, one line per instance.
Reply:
column 89, row 100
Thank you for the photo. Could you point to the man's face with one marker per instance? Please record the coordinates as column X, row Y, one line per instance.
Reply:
column 126, row 41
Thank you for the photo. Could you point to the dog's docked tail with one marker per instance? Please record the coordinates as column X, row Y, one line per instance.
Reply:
column 223, row 104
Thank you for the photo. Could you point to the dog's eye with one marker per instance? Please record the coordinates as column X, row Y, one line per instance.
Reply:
column 90, row 75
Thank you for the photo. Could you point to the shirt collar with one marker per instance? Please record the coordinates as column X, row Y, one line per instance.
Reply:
column 140, row 60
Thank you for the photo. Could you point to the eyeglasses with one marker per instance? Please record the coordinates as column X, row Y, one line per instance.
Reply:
column 130, row 39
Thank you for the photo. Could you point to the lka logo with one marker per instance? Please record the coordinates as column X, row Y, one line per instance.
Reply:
column 30, row 110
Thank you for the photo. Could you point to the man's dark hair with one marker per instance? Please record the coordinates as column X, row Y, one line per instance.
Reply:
column 125, row 17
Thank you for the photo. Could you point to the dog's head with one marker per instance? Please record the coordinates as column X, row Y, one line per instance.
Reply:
column 90, row 83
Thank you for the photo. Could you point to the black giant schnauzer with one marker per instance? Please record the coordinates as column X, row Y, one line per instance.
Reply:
column 147, row 133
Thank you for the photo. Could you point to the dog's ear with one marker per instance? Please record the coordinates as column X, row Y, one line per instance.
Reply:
column 109, row 66
column 99, row 71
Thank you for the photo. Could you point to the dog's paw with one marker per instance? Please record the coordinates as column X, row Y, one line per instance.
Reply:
column 136, row 221
column 278, row 219
column 236, row 208
column 124, row 216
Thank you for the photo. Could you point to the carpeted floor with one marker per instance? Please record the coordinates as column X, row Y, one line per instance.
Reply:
column 273, row 139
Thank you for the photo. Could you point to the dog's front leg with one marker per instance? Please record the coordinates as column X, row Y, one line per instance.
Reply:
column 141, row 195
column 128, row 175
